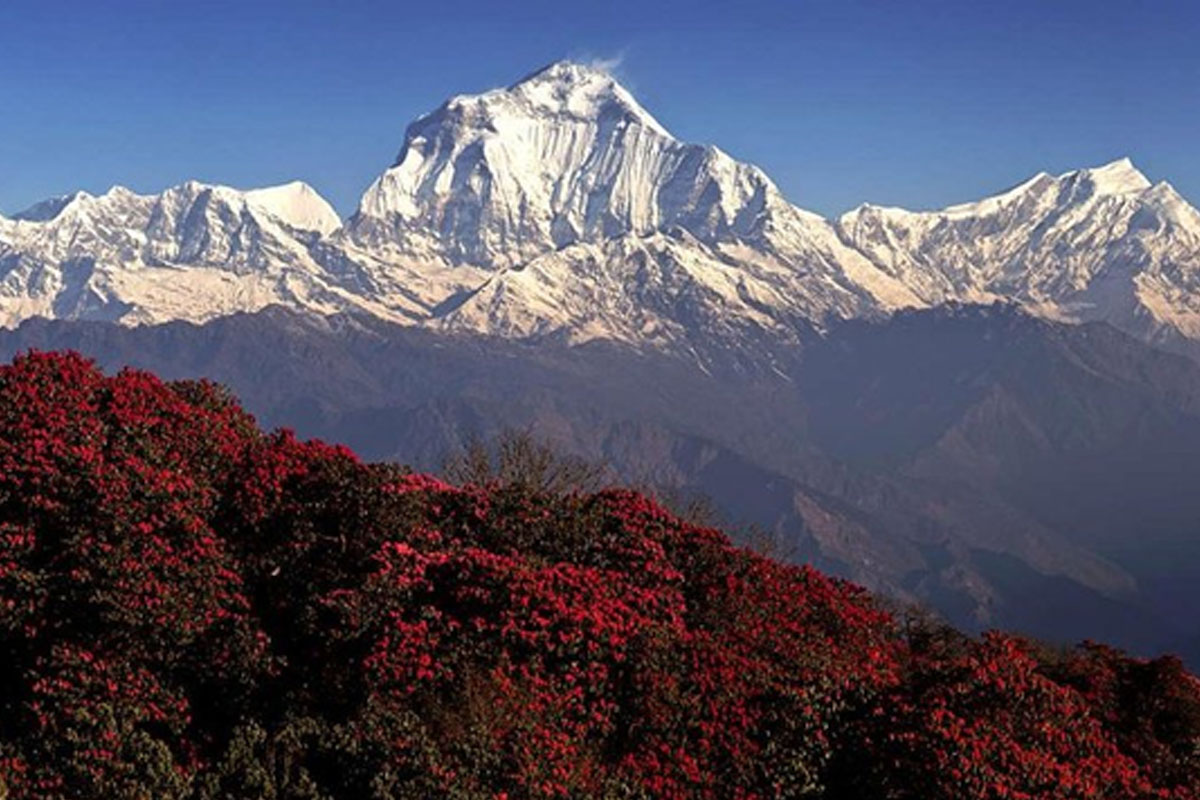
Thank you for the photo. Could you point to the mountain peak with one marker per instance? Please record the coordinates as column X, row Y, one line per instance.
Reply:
column 566, row 71
column 557, row 203
column 297, row 204
column 1115, row 177
column 989, row 205
column 561, row 89
column 49, row 209
column 564, row 155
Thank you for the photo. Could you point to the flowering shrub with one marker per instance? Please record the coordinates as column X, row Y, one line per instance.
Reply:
column 191, row 608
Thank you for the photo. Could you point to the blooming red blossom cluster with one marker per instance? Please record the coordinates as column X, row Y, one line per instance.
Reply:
column 193, row 608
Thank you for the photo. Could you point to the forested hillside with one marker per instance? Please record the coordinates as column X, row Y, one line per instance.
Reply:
column 191, row 607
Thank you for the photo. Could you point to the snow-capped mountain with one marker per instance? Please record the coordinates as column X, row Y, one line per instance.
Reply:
column 559, row 206
column 193, row 252
column 1094, row 244
column 577, row 212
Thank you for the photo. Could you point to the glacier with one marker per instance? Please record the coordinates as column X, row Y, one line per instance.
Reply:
column 558, row 206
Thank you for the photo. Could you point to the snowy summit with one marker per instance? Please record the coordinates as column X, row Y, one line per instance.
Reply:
column 559, row 206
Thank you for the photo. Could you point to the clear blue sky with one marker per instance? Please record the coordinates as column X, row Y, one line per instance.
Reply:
column 919, row 104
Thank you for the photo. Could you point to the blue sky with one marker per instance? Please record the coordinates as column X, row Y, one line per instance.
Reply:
column 920, row 104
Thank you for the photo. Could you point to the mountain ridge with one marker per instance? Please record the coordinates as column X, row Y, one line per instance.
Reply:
column 558, row 206
column 977, row 460
column 194, row 608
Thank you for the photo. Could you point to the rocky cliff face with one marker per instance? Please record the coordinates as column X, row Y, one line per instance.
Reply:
column 194, row 252
column 559, row 207
column 1095, row 244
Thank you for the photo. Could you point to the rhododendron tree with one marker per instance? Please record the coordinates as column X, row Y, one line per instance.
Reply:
column 193, row 608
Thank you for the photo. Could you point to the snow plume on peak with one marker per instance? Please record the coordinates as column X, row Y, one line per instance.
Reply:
column 564, row 155
column 559, row 205
column 579, row 90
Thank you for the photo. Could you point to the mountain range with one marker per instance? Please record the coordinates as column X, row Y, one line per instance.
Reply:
column 973, row 409
column 560, row 207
